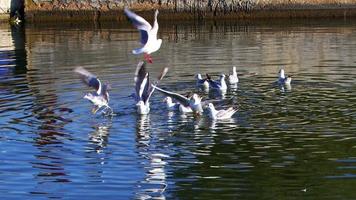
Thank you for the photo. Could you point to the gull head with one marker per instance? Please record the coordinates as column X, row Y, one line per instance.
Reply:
column 211, row 106
column 234, row 69
column 168, row 100
column 195, row 98
column 198, row 76
column 222, row 76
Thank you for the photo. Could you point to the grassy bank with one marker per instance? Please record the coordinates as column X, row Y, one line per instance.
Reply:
column 188, row 9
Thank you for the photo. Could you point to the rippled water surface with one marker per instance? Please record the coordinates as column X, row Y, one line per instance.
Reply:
column 283, row 143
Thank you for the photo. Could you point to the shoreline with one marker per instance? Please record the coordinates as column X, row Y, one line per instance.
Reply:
column 39, row 11
column 117, row 15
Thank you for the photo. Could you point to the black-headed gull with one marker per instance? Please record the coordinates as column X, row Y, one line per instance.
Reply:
column 194, row 102
column 100, row 98
column 220, row 114
column 233, row 79
column 201, row 82
column 148, row 39
column 219, row 85
column 144, row 88
column 282, row 79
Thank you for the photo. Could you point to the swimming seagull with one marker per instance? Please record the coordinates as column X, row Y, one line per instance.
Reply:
column 282, row 79
column 172, row 106
column 100, row 98
column 220, row 114
column 144, row 88
column 194, row 102
column 218, row 84
column 202, row 82
column 148, row 39
column 233, row 79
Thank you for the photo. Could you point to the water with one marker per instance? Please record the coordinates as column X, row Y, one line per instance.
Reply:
column 284, row 143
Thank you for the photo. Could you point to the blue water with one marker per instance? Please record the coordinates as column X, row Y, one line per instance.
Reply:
column 283, row 143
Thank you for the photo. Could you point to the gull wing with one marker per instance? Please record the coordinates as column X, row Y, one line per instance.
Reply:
column 89, row 79
column 226, row 113
column 104, row 91
column 152, row 89
column 140, row 23
column 180, row 98
column 141, row 80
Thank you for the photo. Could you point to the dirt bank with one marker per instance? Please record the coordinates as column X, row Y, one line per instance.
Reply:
column 76, row 10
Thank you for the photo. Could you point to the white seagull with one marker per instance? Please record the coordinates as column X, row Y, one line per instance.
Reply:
column 172, row 106
column 144, row 88
column 220, row 114
column 194, row 102
column 100, row 98
column 282, row 79
column 148, row 39
column 201, row 82
column 233, row 79
column 219, row 85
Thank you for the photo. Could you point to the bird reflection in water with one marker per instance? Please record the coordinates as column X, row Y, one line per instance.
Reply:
column 154, row 184
column 99, row 137
column 285, row 88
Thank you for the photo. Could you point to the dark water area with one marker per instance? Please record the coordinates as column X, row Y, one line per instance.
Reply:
column 293, row 142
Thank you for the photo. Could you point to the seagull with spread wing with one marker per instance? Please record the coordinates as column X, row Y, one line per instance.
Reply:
column 144, row 88
column 148, row 34
column 194, row 102
column 100, row 98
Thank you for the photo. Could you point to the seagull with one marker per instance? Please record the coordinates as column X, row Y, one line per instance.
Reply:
column 282, row 79
column 143, row 87
column 233, row 79
column 220, row 114
column 194, row 102
column 219, row 84
column 100, row 98
column 171, row 106
column 202, row 82
column 148, row 39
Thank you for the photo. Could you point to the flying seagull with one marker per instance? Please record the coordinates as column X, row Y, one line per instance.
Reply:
column 144, row 88
column 148, row 39
column 100, row 98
